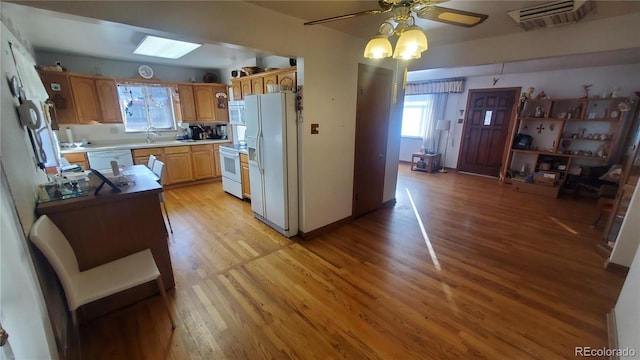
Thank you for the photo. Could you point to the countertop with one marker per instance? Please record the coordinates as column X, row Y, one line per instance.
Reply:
column 137, row 145
column 241, row 149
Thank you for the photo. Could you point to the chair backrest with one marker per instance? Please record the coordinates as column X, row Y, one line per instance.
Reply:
column 158, row 169
column 55, row 247
column 152, row 160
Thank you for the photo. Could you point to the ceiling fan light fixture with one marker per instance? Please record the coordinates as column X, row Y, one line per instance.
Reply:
column 378, row 47
column 411, row 44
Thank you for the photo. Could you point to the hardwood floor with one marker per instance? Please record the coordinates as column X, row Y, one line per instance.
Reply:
column 510, row 276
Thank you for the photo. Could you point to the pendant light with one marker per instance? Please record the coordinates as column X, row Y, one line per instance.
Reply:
column 378, row 47
column 411, row 44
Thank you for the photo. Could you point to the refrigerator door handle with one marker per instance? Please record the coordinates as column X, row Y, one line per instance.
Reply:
column 259, row 147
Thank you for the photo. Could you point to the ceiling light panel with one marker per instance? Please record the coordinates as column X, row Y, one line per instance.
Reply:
column 164, row 48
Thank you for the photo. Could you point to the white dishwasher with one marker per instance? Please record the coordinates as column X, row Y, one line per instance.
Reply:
column 101, row 160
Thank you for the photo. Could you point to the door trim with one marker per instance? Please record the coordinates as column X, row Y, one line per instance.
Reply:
column 511, row 125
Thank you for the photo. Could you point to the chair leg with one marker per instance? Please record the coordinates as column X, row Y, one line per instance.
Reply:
column 166, row 301
column 167, row 213
column 76, row 330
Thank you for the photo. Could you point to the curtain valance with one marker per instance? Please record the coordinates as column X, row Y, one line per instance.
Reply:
column 435, row 87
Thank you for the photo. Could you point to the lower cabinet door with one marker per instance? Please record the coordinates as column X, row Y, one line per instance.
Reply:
column 203, row 165
column 178, row 168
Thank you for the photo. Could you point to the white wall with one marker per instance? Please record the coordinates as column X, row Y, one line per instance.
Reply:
column 22, row 177
column 629, row 235
column 330, row 77
column 408, row 146
column 627, row 310
column 556, row 84
column 120, row 69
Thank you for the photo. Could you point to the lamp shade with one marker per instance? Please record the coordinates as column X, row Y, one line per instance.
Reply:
column 378, row 47
column 443, row 125
column 411, row 43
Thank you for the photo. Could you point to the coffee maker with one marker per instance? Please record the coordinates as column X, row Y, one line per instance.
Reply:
column 220, row 131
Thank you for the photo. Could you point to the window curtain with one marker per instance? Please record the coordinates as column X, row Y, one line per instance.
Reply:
column 431, row 138
column 439, row 91
column 435, row 87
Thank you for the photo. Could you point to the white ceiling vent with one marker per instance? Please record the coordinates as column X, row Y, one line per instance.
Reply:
column 552, row 14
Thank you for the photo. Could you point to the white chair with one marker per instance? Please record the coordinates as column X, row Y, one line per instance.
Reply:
column 152, row 160
column 158, row 169
column 83, row 287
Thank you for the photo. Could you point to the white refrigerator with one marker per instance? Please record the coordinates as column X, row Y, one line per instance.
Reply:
column 272, row 140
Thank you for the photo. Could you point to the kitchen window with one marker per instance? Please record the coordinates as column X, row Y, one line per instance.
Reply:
column 146, row 106
column 416, row 115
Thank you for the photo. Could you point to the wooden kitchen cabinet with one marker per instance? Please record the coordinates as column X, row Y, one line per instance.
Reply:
column 204, row 102
column 244, row 173
column 85, row 98
column 203, row 161
column 246, row 87
column 95, row 99
column 237, row 89
column 257, row 86
column 271, row 79
column 107, row 91
column 59, row 91
column 288, row 79
column 78, row 158
column 221, row 99
column 187, row 102
column 178, row 164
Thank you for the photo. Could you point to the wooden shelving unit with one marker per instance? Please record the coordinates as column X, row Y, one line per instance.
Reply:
column 566, row 135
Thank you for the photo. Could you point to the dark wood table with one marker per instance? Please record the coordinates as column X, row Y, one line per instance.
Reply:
column 104, row 227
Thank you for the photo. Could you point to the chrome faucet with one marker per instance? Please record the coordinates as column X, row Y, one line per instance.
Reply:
column 152, row 133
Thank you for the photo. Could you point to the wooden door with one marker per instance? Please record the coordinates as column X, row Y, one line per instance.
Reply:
column 203, row 165
column 107, row 92
column 372, row 120
column 85, row 99
column 204, row 99
column 489, row 113
column 187, row 102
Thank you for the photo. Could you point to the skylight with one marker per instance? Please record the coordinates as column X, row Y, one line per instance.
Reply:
column 164, row 48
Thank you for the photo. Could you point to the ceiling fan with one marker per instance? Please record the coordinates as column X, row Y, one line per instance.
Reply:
column 426, row 9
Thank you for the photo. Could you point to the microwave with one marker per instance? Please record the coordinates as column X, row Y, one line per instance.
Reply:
column 236, row 114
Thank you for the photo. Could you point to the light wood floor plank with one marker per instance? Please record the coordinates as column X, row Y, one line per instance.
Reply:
column 518, row 277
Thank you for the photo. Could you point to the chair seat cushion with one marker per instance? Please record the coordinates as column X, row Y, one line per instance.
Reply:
column 113, row 277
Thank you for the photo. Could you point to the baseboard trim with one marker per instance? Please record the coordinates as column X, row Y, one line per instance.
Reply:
column 324, row 229
column 390, row 203
column 612, row 333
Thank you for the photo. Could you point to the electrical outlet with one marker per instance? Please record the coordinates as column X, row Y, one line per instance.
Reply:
column 314, row 129
column 460, row 121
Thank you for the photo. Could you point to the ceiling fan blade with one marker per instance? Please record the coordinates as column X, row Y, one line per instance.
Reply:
column 452, row 16
column 349, row 16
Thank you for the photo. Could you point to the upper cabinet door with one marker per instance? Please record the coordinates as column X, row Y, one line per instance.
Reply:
column 86, row 100
column 257, row 86
column 59, row 90
column 221, row 103
column 246, row 87
column 237, row 89
column 288, row 79
column 187, row 102
column 107, row 91
column 205, row 102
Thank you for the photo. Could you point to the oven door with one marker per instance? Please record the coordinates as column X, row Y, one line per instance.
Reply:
column 230, row 164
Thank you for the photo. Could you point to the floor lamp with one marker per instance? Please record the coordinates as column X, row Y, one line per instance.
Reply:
column 443, row 125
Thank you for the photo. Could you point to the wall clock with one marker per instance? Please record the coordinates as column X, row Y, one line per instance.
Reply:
column 145, row 71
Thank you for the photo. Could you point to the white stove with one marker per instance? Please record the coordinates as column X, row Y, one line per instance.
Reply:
column 231, row 175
